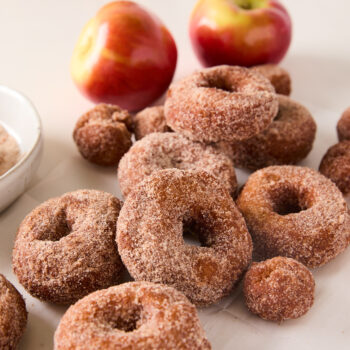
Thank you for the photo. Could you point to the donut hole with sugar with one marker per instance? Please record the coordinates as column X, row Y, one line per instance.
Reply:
column 195, row 232
column 288, row 200
column 60, row 227
column 128, row 319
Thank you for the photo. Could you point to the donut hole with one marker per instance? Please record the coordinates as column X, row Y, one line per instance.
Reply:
column 62, row 230
column 194, row 233
column 219, row 83
column 287, row 200
column 59, row 228
column 278, row 115
column 128, row 320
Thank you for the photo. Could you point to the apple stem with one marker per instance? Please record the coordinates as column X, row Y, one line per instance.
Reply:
column 249, row 4
column 244, row 4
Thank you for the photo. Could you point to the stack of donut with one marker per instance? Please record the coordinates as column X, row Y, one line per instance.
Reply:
column 286, row 140
column 178, row 179
column 232, row 108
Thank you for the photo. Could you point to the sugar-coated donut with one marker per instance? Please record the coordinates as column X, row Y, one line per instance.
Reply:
column 223, row 103
column 65, row 248
column 132, row 316
column 335, row 165
column 149, row 120
column 279, row 289
column 343, row 126
column 295, row 212
column 159, row 151
column 287, row 140
column 150, row 234
column 13, row 315
column 278, row 77
column 102, row 134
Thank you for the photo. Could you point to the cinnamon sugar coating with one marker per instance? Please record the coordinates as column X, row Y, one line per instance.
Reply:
column 287, row 140
column 65, row 248
column 343, row 126
column 102, row 134
column 159, row 151
column 149, row 120
column 295, row 212
column 223, row 103
column 279, row 289
column 150, row 235
column 135, row 315
column 335, row 165
column 13, row 315
column 278, row 77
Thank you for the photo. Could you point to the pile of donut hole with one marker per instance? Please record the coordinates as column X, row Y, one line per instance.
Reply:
column 277, row 201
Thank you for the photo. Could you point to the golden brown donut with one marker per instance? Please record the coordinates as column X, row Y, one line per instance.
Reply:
column 279, row 289
column 223, row 103
column 13, row 315
column 132, row 316
column 149, row 120
column 335, row 165
column 102, row 134
column 295, row 212
column 278, row 77
column 343, row 126
column 150, row 235
column 159, row 151
column 65, row 248
column 287, row 140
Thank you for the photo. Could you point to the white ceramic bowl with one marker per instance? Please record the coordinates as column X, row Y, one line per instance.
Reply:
column 20, row 118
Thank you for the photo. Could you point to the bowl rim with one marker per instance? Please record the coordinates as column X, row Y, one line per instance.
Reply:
column 25, row 99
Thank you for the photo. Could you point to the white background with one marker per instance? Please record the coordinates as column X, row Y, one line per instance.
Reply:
column 37, row 38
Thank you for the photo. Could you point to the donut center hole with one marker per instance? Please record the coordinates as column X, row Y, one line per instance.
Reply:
column 193, row 233
column 59, row 228
column 220, row 84
column 128, row 321
column 278, row 116
column 287, row 201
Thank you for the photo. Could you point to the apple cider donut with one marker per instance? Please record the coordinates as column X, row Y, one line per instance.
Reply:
column 148, row 121
column 279, row 289
column 295, row 212
column 278, row 77
column 150, row 235
column 159, row 151
column 343, row 126
column 223, row 103
column 134, row 315
column 335, row 165
column 287, row 140
column 102, row 134
column 65, row 248
column 13, row 315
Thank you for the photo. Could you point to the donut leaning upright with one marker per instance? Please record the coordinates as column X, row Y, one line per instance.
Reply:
column 151, row 227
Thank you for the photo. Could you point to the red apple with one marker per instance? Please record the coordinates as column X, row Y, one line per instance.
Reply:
column 124, row 56
column 240, row 32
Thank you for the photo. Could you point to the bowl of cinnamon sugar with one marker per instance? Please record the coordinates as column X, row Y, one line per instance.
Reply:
column 20, row 144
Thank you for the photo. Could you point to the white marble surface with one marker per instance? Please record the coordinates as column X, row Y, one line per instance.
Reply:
column 37, row 38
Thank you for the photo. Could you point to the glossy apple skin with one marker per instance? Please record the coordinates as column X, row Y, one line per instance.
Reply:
column 224, row 33
column 124, row 56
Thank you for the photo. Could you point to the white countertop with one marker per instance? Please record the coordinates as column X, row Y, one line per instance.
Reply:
column 37, row 38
